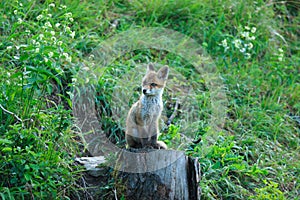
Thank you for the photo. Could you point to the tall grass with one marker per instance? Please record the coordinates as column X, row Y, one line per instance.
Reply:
column 254, row 44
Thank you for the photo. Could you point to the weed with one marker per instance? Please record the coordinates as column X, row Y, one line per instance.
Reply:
column 254, row 45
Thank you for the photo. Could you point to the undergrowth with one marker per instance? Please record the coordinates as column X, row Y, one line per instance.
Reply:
column 254, row 45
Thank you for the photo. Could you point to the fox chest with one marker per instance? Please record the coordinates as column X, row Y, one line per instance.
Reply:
column 151, row 110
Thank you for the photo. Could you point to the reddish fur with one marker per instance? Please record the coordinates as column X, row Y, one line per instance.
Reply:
column 142, row 120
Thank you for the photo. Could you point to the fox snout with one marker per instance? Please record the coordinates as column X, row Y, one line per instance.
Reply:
column 147, row 91
column 151, row 90
column 144, row 91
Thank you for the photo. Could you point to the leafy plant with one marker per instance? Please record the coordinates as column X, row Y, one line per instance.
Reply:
column 270, row 191
column 255, row 49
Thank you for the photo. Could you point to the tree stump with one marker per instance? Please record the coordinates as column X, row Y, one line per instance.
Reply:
column 144, row 174
column 149, row 174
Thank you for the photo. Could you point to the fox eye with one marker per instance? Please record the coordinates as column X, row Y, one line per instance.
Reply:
column 153, row 84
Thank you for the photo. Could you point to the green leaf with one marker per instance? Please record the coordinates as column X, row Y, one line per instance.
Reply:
column 27, row 177
column 5, row 141
column 6, row 149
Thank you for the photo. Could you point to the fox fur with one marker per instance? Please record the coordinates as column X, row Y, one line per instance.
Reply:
column 142, row 119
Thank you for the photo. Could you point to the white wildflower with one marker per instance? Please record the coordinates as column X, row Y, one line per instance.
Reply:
column 20, row 4
column 247, row 28
column 245, row 34
column 237, row 43
column 9, row 47
column 281, row 54
column 52, row 5
column 72, row 34
column 69, row 14
column 50, row 15
column 39, row 17
column 252, row 38
column 65, row 55
column 242, row 50
column 71, row 19
column 224, row 43
column 69, row 59
column 46, row 59
column 48, row 24
column 15, row 12
column 50, row 54
column 91, row 56
column 23, row 45
column 20, row 21
column 53, row 39
column 247, row 55
column 250, row 45
column 57, row 25
column 52, row 33
column 253, row 29
column 37, row 44
column 59, row 43
column 86, row 68
column 37, row 50
column 41, row 36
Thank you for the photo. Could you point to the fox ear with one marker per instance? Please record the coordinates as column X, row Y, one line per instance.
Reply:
column 150, row 67
column 163, row 73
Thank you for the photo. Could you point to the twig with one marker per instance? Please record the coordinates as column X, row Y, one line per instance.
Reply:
column 11, row 113
column 115, row 192
column 85, row 189
column 174, row 113
column 197, row 141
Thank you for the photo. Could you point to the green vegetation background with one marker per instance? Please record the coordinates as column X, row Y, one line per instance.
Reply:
column 255, row 45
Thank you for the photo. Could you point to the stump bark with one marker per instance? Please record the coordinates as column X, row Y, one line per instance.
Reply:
column 157, row 175
column 144, row 174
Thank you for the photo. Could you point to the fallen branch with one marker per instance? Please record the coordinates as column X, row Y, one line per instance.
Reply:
column 11, row 113
column 174, row 113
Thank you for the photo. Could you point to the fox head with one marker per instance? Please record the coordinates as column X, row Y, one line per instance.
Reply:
column 154, row 82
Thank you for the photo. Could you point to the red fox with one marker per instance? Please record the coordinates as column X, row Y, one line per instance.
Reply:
column 142, row 120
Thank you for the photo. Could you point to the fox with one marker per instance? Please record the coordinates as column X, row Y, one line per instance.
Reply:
column 143, row 117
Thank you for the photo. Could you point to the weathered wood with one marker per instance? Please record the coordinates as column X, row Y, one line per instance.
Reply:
column 91, row 164
column 145, row 174
column 158, row 175
column 94, row 179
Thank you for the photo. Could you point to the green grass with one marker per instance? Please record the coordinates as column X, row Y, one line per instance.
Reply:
column 255, row 46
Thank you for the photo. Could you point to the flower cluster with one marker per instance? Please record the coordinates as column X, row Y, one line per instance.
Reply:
column 47, row 40
column 280, row 54
column 243, row 42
